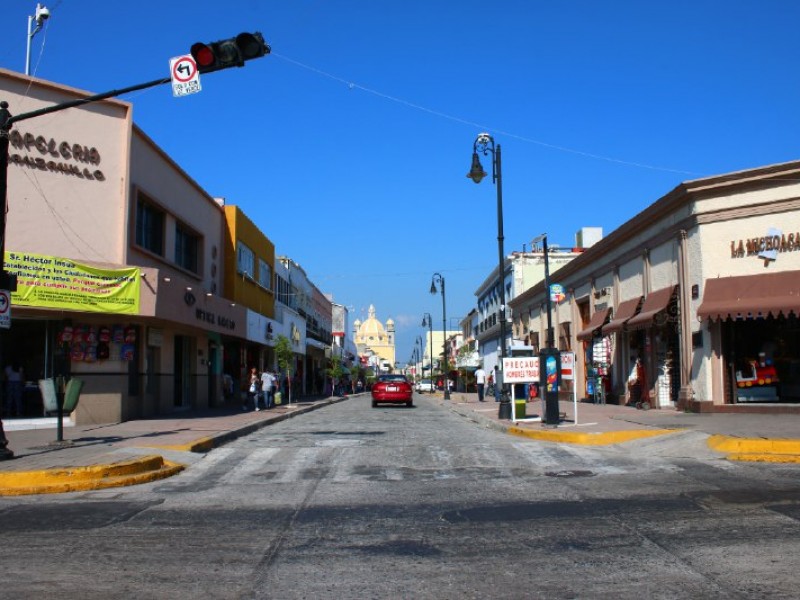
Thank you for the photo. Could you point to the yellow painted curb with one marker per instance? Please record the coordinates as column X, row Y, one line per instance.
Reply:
column 725, row 443
column 75, row 479
column 590, row 439
column 756, row 449
column 202, row 445
column 773, row 458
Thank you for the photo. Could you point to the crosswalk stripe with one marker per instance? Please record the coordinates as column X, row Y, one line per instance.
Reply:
column 252, row 463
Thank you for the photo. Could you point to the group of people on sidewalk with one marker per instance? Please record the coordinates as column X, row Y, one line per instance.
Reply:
column 262, row 389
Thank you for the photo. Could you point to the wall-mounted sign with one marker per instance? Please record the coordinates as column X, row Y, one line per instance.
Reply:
column 53, row 282
column 767, row 246
column 67, row 158
column 155, row 337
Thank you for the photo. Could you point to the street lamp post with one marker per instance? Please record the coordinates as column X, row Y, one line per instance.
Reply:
column 427, row 321
column 421, row 354
column 484, row 143
column 437, row 278
column 550, row 357
column 41, row 15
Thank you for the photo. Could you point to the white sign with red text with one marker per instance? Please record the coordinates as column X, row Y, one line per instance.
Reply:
column 526, row 369
column 568, row 366
column 522, row 369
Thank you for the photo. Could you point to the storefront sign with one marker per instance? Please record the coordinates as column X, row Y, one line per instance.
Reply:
column 155, row 337
column 57, row 156
column 766, row 247
column 53, row 282
column 214, row 319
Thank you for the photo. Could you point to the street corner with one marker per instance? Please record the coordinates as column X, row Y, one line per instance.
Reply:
column 93, row 477
column 776, row 450
column 601, row 438
column 199, row 446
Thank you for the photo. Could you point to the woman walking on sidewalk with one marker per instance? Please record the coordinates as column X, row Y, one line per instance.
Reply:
column 253, row 388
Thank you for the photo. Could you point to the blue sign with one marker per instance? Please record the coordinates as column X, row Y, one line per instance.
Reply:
column 557, row 292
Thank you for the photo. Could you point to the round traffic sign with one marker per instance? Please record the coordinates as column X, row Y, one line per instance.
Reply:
column 5, row 302
column 184, row 69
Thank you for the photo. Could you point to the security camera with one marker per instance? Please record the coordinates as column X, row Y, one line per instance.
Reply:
column 42, row 13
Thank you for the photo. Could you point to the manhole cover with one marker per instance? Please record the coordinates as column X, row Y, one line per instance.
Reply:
column 569, row 473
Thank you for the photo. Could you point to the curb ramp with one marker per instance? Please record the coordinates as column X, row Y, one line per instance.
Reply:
column 605, row 438
column 94, row 477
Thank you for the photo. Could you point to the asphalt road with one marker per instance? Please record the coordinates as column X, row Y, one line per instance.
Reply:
column 354, row 502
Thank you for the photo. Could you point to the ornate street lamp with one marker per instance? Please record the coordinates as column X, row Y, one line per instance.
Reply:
column 437, row 278
column 484, row 144
column 550, row 357
column 427, row 321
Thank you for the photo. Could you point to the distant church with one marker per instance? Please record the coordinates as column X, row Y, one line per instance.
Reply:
column 375, row 344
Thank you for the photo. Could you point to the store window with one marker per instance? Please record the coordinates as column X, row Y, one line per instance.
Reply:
column 264, row 275
column 187, row 249
column 149, row 226
column 245, row 260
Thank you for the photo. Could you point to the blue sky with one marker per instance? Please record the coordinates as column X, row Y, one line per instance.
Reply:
column 349, row 145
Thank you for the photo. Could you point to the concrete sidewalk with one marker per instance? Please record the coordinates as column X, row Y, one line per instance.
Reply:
column 128, row 453
column 102, row 456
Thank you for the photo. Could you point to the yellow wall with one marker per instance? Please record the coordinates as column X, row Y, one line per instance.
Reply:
column 240, row 289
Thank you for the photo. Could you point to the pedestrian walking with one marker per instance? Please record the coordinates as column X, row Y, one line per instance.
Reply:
column 480, row 381
column 14, row 379
column 254, row 387
column 267, row 388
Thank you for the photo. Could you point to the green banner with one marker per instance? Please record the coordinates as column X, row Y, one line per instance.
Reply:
column 53, row 282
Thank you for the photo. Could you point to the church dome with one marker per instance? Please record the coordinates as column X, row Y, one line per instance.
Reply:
column 372, row 330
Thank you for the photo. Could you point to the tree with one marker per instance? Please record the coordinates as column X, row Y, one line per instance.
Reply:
column 285, row 356
column 335, row 371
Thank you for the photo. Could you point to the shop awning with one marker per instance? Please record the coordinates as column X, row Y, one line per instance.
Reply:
column 751, row 296
column 654, row 303
column 625, row 311
column 595, row 323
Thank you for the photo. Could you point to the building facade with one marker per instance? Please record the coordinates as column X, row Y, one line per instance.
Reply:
column 693, row 302
column 119, row 257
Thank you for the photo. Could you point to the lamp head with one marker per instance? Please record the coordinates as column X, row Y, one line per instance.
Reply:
column 42, row 14
column 476, row 173
column 433, row 287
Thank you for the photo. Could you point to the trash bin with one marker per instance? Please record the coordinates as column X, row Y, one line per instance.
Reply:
column 519, row 409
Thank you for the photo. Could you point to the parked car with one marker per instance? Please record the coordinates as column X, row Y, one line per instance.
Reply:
column 392, row 388
column 425, row 385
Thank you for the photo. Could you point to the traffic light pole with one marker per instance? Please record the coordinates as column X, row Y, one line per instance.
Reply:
column 7, row 120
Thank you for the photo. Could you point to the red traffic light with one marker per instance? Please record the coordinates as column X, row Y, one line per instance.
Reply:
column 232, row 52
column 203, row 55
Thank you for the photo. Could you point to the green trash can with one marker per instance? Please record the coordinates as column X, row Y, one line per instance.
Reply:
column 519, row 409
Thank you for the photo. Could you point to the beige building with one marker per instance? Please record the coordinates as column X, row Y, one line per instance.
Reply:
column 121, row 260
column 694, row 302
column 373, row 340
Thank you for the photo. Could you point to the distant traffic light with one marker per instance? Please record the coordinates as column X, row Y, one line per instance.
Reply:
column 229, row 53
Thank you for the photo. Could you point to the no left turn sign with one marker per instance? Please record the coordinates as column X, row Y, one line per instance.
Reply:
column 185, row 76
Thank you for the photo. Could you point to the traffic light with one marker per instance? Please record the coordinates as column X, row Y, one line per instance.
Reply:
column 229, row 53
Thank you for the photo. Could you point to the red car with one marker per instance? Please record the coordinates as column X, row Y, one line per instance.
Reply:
column 392, row 388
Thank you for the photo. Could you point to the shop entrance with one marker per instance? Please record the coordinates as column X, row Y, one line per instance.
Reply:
column 26, row 345
column 762, row 357
column 182, row 371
